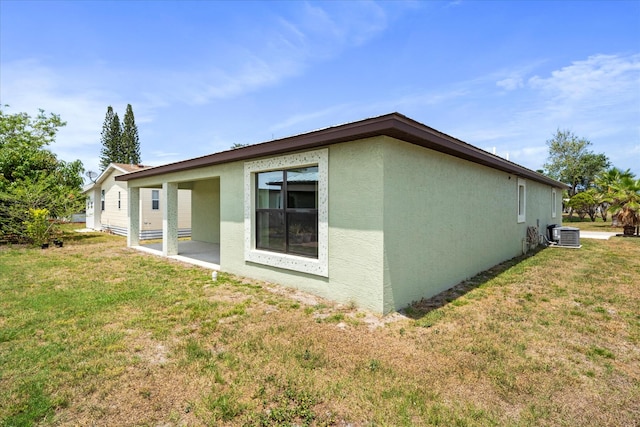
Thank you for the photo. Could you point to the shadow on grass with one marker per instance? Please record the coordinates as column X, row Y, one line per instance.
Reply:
column 66, row 235
column 425, row 308
column 74, row 236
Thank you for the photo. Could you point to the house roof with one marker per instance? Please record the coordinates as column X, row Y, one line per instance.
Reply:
column 123, row 168
column 126, row 168
column 393, row 125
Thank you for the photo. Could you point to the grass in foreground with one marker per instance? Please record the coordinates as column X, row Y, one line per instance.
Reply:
column 97, row 334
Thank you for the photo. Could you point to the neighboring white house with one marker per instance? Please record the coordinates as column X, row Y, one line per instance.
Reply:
column 379, row 212
column 107, row 208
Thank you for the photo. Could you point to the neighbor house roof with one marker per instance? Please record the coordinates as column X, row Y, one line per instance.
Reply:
column 126, row 168
column 123, row 168
column 393, row 125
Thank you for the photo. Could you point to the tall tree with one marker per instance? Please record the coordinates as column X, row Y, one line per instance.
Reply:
column 130, row 141
column 571, row 161
column 109, row 138
column 115, row 136
column 31, row 176
column 120, row 142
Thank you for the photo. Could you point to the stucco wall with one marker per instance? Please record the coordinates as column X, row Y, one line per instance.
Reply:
column 356, row 222
column 446, row 219
column 405, row 222
column 206, row 210
column 355, row 229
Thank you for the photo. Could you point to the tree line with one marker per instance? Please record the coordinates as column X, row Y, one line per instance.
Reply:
column 36, row 185
column 596, row 188
column 36, row 188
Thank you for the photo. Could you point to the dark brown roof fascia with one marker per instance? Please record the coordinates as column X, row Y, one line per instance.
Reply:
column 416, row 133
column 394, row 125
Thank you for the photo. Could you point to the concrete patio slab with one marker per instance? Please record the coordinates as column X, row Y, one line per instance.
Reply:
column 203, row 254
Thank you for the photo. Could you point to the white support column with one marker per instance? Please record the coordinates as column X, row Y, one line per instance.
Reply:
column 169, row 218
column 133, row 234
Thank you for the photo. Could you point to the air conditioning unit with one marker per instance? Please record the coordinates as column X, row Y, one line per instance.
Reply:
column 566, row 236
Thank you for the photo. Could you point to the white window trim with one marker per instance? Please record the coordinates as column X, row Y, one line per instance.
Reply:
column 319, row 266
column 155, row 199
column 522, row 217
column 554, row 202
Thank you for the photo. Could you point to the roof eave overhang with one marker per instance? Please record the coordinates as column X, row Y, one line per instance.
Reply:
column 393, row 125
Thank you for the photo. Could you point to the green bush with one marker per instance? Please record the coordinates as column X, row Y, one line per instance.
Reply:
column 38, row 227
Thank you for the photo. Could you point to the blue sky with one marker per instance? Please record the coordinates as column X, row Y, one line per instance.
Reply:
column 203, row 75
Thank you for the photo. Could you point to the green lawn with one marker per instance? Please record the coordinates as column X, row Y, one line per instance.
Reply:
column 96, row 334
column 587, row 225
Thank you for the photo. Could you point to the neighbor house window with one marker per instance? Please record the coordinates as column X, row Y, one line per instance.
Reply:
column 553, row 202
column 155, row 199
column 286, row 212
column 522, row 200
column 119, row 201
column 102, row 200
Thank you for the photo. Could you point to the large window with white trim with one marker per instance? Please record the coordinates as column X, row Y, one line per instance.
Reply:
column 286, row 212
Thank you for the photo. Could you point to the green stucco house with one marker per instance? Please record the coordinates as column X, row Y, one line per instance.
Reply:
column 380, row 212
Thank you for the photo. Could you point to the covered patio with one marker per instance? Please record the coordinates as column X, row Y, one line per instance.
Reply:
column 203, row 254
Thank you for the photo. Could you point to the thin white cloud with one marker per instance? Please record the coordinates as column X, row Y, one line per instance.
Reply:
column 430, row 98
column 599, row 75
column 295, row 120
column 280, row 50
column 342, row 113
column 599, row 99
column 79, row 97
column 284, row 48
column 158, row 157
column 596, row 97
column 28, row 86
column 513, row 78
column 511, row 83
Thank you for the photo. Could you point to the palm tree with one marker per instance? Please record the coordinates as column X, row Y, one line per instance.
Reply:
column 625, row 203
column 604, row 183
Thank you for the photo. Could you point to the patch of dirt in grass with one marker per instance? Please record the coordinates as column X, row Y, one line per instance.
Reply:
column 148, row 350
column 326, row 308
column 140, row 396
column 214, row 293
column 150, row 388
column 296, row 295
